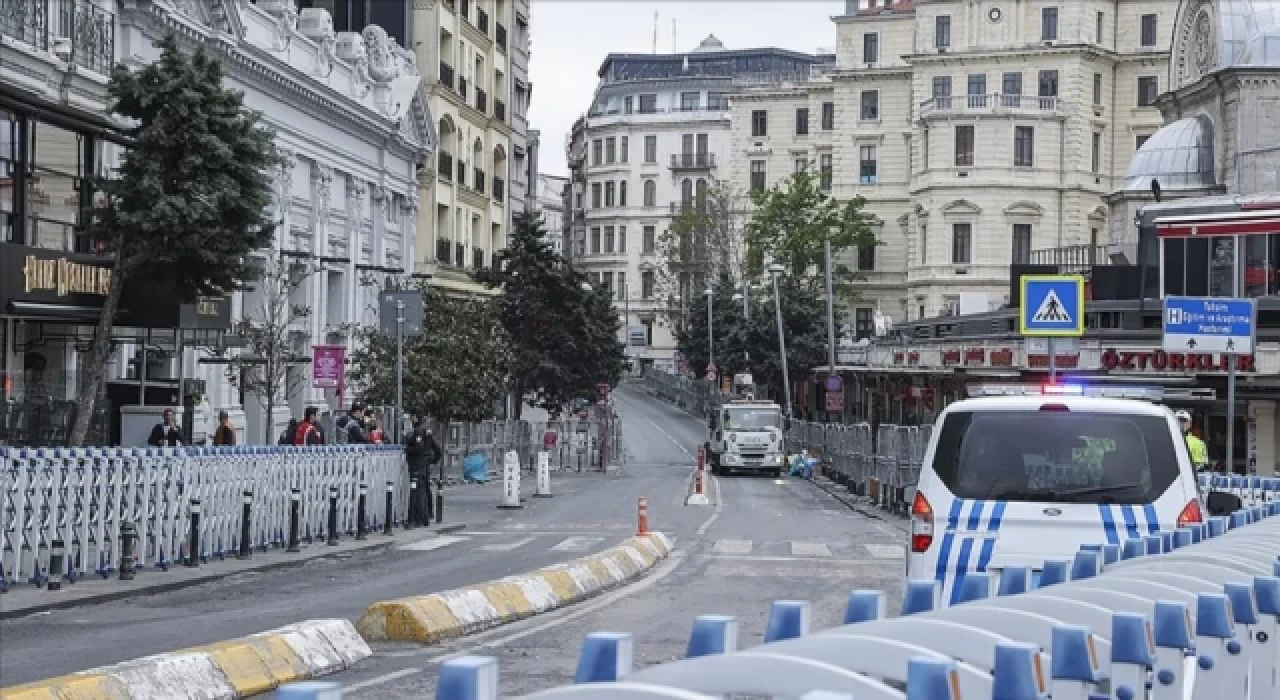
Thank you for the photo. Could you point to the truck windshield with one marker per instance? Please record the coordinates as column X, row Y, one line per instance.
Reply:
column 752, row 419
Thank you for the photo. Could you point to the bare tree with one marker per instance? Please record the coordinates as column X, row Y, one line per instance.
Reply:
column 273, row 335
column 703, row 241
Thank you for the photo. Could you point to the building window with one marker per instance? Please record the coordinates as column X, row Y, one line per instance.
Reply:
column 759, row 123
column 717, row 101
column 1095, row 155
column 1148, row 89
column 648, row 104
column 1048, row 83
column 628, row 104
column 757, row 176
column 597, row 151
column 961, row 243
column 870, row 105
column 942, row 31
column 621, row 287
column 1022, row 244
column 864, row 323
column 595, row 195
column 867, row 164
column 1139, row 140
column 866, row 258
column 1097, row 88
column 650, row 193
column 608, row 239
column 828, row 116
column 595, row 239
column 964, row 145
column 1148, row 31
column 690, row 101
column 649, row 239
column 942, row 91
column 651, row 148
column 924, row 244
column 1024, row 146
column 624, row 146
column 802, row 121
column 622, row 239
column 1011, row 89
column 622, row 193
column 977, row 85
column 646, row 284
column 609, row 194
column 610, row 150
column 702, row 195
column 1048, row 23
column 801, row 165
column 686, row 192
column 871, row 48
column 824, row 172
column 1097, row 29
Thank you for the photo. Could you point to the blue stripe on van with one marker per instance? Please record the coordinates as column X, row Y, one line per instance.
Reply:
column 993, row 526
column 1108, row 523
column 962, row 568
column 948, row 537
column 1153, row 518
column 1130, row 522
column 975, row 515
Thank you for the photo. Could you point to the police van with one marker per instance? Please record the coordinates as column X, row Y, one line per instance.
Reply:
column 1017, row 474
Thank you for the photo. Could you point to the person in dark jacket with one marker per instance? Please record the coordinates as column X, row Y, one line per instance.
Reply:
column 421, row 451
column 225, row 435
column 166, row 433
column 351, row 426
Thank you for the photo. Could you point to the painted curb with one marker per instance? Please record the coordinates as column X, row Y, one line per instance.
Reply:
column 238, row 668
column 451, row 614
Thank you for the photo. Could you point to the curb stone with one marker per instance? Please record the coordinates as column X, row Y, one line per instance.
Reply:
column 438, row 617
column 853, row 503
column 237, row 668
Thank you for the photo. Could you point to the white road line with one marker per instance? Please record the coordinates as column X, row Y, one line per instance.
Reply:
column 506, row 546
column 732, row 547
column 575, row 544
column 706, row 525
column 886, row 551
column 764, row 559
column 810, row 549
column 672, row 439
column 430, row 543
column 394, row 675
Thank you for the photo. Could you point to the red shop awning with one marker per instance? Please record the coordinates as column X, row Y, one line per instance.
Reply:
column 1222, row 224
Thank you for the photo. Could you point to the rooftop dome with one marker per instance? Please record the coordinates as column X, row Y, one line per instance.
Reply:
column 1179, row 156
column 1216, row 34
column 711, row 43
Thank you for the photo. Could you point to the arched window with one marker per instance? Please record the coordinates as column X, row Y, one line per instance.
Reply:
column 650, row 193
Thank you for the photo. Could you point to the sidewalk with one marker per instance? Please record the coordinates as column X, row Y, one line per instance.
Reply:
column 470, row 506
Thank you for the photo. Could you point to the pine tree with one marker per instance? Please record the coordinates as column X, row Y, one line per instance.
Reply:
column 191, row 197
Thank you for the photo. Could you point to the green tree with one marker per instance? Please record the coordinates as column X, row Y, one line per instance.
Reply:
column 703, row 241
column 191, row 198
column 564, row 334
column 791, row 221
column 455, row 370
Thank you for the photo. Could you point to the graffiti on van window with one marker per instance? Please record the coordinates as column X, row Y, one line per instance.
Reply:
column 1079, row 466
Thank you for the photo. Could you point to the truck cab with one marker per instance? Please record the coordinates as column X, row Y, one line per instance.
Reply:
column 746, row 435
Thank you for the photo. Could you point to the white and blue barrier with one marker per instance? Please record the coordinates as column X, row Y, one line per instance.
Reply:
column 83, row 496
column 1184, row 615
column 1252, row 490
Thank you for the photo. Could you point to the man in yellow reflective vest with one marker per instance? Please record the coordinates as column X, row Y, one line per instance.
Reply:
column 1199, row 453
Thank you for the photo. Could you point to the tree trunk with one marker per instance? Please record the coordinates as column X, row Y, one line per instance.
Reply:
column 270, row 421
column 99, row 355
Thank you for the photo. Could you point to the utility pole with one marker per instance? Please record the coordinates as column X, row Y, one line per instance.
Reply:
column 397, row 425
column 831, row 310
column 774, row 271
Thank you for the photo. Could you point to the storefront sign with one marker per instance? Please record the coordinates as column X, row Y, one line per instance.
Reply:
column 1059, row 361
column 951, row 358
column 1161, row 361
column 62, row 277
column 328, row 366
column 1002, row 358
column 975, row 356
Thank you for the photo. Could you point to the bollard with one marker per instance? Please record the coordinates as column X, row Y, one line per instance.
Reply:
column 642, row 527
column 542, row 488
column 439, row 501
column 510, row 482
column 788, row 619
column 57, row 555
column 605, row 657
column 360, row 506
column 295, row 506
column 699, row 495
column 310, row 690
column 193, row 543
column 128, row 543
column 386, row 518
column 468, row 678
column 333, row 516
column 411, row 518
column 246, row 536
column 712, row 634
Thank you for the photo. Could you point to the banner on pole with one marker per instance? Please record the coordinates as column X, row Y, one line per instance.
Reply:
column 328, row 366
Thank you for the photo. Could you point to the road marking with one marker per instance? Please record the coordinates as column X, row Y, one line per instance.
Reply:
column 387, row 678
column 507, row 546
column 732, row 547
column 706, row 524
column 575, row 544
column 430, row 543
column 810, row 549
column 672, row 439
column 779, row 559
column 886, row 551
column 890, row 530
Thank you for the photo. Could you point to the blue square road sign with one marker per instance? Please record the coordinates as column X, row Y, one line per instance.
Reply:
column 1052, row 306
column 1209, row 324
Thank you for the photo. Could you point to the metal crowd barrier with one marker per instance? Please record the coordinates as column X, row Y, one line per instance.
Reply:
column 882, row 465
column 698, row 396
column 83, row 497
column 1251, row 490
column 577, row 444
column 1189, row 614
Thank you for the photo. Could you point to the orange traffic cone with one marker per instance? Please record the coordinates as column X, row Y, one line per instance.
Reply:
column 643, row 527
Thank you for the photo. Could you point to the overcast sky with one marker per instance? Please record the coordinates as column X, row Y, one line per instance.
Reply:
column 571, row 38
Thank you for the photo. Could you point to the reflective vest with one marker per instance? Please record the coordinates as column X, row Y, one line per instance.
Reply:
column 1199, row 454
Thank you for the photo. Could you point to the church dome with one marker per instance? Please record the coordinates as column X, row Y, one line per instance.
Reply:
column 711, row 43
column 1179, row 156
column 1215, row 34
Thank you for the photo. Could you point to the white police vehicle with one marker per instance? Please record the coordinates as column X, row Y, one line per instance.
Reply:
column 1021, row 474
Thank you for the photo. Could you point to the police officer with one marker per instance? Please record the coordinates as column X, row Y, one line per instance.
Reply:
column 421, row 451
column 1199, row 453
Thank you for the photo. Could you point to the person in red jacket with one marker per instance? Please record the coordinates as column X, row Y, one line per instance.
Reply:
column 307, row 433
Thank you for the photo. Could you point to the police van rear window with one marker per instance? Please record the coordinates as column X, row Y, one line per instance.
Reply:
column 1059, row 457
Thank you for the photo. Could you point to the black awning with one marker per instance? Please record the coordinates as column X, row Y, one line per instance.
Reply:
column 60, row 312
column 65, row 117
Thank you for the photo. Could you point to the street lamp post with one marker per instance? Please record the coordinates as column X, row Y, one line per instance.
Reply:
column 774, row 271
column 711, row 341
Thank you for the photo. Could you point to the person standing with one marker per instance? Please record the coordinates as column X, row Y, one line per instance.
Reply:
column 307, row 433
column 1199, row 453
column 166, row 433
column 351, row 426
column 224, row 435
column 421, row 451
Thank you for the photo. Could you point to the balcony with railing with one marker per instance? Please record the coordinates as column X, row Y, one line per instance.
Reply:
column 693, row 161
column 500, row 110
column 78, row 31
column 994, row 103
column 479, row 180
column 459, row 254
column 477, row 258
column 680, row 207
column 482, row 100
column 443, row 249
column 444, row 165
column 482, row 21
column 1071, row 259
column 500, row 35
column 499, row 189
column 446, row 75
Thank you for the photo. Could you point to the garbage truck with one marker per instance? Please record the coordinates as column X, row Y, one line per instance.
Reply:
column 745, row 434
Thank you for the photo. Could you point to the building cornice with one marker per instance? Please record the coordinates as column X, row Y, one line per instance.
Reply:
column 1033, row 51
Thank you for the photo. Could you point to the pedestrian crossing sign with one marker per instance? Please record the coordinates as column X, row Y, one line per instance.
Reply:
column 1052, row 306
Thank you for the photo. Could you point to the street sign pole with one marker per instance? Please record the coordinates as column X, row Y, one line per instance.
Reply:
column 1053, row 360
column 398, row 425
column 1231, row 413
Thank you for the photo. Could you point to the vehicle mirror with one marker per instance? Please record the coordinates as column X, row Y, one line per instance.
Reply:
column 1222, row 503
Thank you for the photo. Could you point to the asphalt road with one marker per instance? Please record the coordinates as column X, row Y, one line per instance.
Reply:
column 588, row 513
column 765, row 540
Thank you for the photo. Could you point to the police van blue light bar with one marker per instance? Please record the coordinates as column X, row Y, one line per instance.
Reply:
column 1143, row 393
